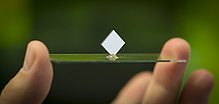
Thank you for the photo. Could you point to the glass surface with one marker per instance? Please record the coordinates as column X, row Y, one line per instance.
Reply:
column 104, row 58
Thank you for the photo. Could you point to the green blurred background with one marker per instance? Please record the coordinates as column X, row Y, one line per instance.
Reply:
column 67, row 26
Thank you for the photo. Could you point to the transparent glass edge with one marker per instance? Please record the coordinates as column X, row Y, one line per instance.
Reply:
column 104, row 59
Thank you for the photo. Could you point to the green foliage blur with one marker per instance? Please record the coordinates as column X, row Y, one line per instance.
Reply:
column 79, row 27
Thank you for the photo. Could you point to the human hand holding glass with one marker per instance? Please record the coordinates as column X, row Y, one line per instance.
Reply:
column 160, row 87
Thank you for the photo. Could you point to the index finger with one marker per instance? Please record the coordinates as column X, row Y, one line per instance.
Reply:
column 167, row 77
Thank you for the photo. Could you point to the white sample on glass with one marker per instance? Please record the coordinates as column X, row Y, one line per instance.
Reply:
column 113, row 43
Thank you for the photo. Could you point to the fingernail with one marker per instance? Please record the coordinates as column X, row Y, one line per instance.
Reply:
column 29, row 59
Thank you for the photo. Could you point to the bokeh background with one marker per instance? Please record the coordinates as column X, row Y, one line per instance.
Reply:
column 67, row 26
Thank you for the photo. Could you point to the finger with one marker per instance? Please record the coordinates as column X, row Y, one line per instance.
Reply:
column 32, row 83
column 167, row 77
column 133, row 91
column 198, row 88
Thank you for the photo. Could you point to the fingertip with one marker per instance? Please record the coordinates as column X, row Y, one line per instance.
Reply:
column 176, row 48
column 134, row 90
column 38, row 48
column 40, row 52
column 198, row 88
column 203, row 79
column 143, row 74
column 37, row 43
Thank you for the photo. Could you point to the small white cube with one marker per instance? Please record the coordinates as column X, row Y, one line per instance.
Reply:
column 113, row 43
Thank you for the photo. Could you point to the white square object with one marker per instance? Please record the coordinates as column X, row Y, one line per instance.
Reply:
column 113, row 43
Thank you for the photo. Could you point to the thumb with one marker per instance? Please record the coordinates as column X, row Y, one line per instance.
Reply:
column 32, row 83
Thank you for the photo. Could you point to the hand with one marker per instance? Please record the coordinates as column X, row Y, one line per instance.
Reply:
column 32, row 83
column 161, row 87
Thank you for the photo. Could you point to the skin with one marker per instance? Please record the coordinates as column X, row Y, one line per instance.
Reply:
column 160, row 87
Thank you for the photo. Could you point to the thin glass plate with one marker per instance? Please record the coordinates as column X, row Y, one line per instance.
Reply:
column 102, row 58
